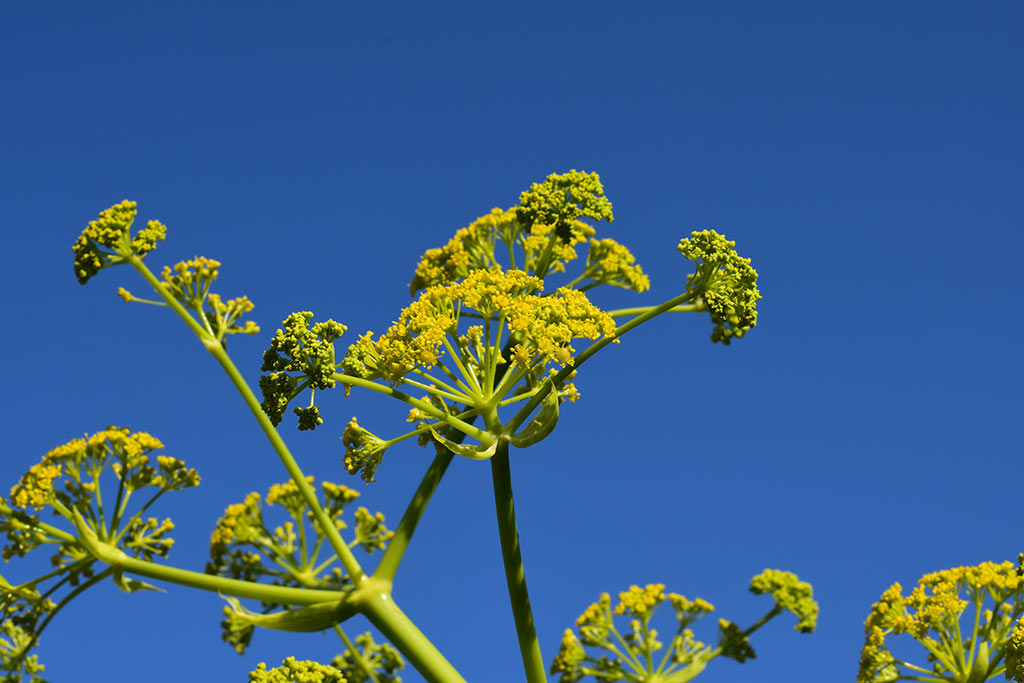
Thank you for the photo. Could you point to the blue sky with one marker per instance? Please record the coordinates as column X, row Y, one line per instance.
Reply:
column 866, row 157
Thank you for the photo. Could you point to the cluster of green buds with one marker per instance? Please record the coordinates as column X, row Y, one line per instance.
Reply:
column 70, row 481
column 484, row 335
column 244, row 546
column 630, row 655
column 932, row 614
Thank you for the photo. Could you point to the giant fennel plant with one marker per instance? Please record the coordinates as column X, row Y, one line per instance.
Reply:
column 483, row 359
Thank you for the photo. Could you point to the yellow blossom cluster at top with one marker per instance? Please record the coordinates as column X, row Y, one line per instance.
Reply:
column 640, row 601
column 473, row 248
column 931, row 613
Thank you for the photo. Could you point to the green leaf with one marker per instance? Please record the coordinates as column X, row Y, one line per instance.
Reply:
column 133, row 585
column 542, row 424
column 480, row 452
column 302, row 620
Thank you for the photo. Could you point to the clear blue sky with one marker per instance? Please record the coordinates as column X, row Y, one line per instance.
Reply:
column 866, row 156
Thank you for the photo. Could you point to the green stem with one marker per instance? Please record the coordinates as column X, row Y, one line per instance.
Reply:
column 284, row 595
column 383, row 613
column 624, row 312
column 515, row 576
column 388, row 565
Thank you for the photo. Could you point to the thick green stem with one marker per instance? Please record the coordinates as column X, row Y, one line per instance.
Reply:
column 417, row 506
column 383, row 613
column 515, row 576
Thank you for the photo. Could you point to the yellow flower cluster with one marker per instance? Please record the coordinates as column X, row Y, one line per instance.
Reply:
column 36, row 486
column 536, row 239
column 287, row 494
column 296, row 671
column 570, row 655
column 608, row 262
column 363, row 450
column 541, row 324
column 641, row 601
column 190, row 280
column 229, row 525
column 470, row 248
column 934, row 605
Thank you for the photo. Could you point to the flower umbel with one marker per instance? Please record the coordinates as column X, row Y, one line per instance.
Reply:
column 107, row 241
column 931, row 614
column 630, row 655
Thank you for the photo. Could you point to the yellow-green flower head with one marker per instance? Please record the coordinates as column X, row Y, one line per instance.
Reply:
column 190, row 280
column 471, row 248
column 931, row 614
column 641, row 602
column 239, row 523
column 726, row 282
column 363, row 451
column 596, row 622
column 561, row 199
column 608, row 262
column 371, row 533
column 126, row 453
column 544, row 325
column 570, row 655
column 107, row 241
column 36, row 486
column 688, row 611
column 790, row 594
column 306, row 351
column 295, row 671
column 384, row 659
